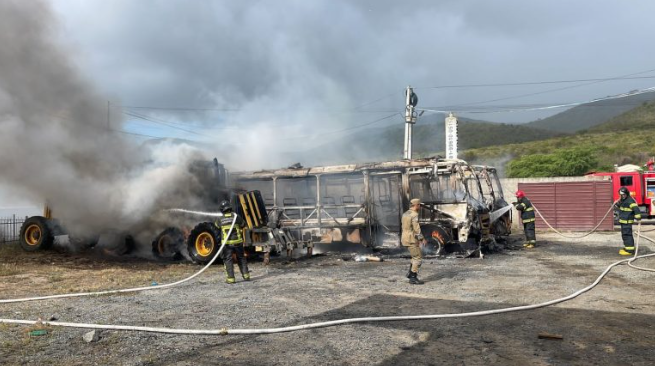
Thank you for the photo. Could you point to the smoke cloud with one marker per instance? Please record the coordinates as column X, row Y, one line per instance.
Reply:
column 55, row 142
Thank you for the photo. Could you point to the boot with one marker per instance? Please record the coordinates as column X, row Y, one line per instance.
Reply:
column 625, row 252
column 413, row 279
column 409, row 271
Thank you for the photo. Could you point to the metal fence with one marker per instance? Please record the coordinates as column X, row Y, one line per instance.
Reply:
column 10, row 228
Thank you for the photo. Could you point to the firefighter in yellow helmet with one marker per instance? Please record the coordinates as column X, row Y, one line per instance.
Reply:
column 628, row 213
column 234, row 243
column 411, row 238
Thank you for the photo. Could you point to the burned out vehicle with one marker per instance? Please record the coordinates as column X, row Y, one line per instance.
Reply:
column 495, row 200
column 363, row 203
column 298, row 207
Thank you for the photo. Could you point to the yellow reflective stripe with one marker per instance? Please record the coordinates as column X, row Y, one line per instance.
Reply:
column 633, row 205
column 528, row 220
column 226, row 229
column 529, row 209
column 627, row 209
column 626, row 221
column 637, row 216
column 629, row 248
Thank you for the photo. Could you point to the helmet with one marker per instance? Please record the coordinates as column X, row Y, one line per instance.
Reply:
column 520, row 194
column 225, row 207
column 624, row 190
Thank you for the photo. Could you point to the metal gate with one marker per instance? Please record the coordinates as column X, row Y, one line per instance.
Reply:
column 571, row 205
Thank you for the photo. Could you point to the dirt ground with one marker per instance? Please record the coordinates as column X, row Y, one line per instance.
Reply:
column 614, row 324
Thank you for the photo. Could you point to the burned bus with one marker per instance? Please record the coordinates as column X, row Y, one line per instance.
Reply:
column 363, row 203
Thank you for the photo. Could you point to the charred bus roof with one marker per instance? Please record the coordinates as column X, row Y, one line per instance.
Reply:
column 439, row 165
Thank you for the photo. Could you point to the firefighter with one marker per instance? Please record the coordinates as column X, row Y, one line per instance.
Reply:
column 524, row 205
column 628, row 212
column 411, row 238
column 234, row 244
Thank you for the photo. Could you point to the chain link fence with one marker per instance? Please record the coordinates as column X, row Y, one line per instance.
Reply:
column 10, row 228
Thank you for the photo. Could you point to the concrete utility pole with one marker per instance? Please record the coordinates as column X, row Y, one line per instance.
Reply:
column 410, row 119
column 451, row 137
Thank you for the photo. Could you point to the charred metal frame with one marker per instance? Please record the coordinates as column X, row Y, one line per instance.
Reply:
column 325, row 221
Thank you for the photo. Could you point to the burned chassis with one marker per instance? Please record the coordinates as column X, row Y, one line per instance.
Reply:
column 363, row 203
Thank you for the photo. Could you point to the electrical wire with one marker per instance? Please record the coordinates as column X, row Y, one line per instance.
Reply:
column 535, row 82
column 555, row 106
column 158, row 121
column 552, row 90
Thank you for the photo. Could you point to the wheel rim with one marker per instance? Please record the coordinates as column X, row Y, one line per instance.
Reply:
column 204, row 244
column 161, row 245
column 33, row 235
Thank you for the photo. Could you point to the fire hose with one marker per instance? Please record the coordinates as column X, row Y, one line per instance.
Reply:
column 136, row 289
column 226, row 331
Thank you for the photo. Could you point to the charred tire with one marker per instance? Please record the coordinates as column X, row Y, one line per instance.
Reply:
column 203, row 243
column 168, row 243
column 36, row 234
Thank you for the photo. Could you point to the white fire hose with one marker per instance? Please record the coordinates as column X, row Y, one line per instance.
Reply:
column 226, row 331
column 136, row 289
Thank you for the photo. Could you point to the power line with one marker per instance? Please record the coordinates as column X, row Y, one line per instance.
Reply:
column 161, row 122
column 555, row 106
column 179, row 108
column 343, row 129
column 535, row 82
column 553, row 90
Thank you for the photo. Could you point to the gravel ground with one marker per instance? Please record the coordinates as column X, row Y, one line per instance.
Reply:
column 613, row 324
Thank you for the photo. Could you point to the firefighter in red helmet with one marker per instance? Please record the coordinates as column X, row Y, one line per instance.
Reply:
column 628, row 213
column 524, row 205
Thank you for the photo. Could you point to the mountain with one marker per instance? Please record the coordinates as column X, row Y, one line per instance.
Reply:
column 591, row 114
column 429, row 139
column 640, row 118
column 624, row 139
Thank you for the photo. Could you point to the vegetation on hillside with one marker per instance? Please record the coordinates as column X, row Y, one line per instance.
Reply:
column 607, row 149
column 429, row 137
column 638, row 119
column 587, row 116
column 566, row 162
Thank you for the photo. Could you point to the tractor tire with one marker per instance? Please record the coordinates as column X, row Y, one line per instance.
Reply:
column 203, row 242
column 36, row 234
column 168, row 244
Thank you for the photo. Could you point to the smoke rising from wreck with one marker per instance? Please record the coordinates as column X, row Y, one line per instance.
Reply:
column 55, row 143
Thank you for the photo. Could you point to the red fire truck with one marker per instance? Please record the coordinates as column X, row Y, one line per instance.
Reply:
column 641, row 185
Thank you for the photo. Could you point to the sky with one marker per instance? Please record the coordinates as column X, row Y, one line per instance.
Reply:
column 311, row 65
column 286, row 75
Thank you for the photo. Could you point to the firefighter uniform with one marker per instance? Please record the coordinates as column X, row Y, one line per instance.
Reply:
column 411, row 237
column 628, row 213
column 527, row 217
column 233, row 245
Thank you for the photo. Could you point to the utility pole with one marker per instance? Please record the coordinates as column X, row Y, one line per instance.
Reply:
column 410, row 119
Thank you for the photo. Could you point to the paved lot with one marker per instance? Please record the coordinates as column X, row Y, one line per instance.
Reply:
column 613, row 324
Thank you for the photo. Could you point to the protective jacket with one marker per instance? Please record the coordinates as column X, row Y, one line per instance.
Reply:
column 527, row 211
column 225, row 222
column 411, row 233
column 628, row 211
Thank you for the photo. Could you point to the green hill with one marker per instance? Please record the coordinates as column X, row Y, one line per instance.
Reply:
column 592, row 114
column 641, row 118
column 429, row 138
column 625, row 139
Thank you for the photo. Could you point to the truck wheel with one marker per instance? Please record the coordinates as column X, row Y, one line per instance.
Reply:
column 168, row 243
column 36, row 234
column 203, row 243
